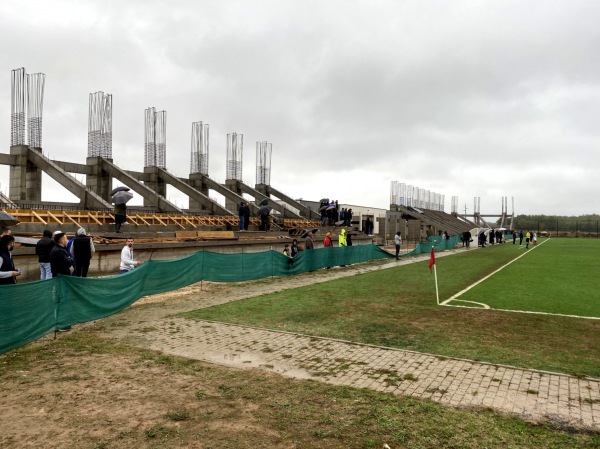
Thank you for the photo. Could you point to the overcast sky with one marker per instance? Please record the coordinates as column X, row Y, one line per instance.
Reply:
column 463, row 98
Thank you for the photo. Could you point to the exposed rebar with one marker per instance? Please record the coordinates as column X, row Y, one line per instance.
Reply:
column 263, row 162
column 199, row 156
column 100, row 125
column 18, row 106
column 156, row 138
column 235, row 148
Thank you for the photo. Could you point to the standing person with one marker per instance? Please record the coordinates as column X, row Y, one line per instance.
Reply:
column 527, row 239
column 520, row 237
column 8, row 273
column 295, row 250
column 288, row 253
column 42, row 249
column 534, row 238
column 342, row 238
column 128, row 263
column 491, row 236
column 120, row 216
column 246, row 216
column 308, row 242
column 82, row 250
column 327, row 240
column 514, row 234
column 349, row 239
column 398, row 243
column 242, row 214
column 60, row 259
column 348, row 216
column 467, row 239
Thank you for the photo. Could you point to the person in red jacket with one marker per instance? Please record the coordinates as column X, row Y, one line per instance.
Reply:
column 327, row 240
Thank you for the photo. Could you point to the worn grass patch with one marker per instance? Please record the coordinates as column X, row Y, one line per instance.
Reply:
column 173, row 402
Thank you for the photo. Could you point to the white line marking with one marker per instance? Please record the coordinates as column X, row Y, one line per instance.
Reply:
column 527, row 311
column 452, row 298
column 485, row 306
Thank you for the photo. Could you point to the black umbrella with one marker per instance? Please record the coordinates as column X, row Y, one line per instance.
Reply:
column 264, row 210
column 324, row 201
column 305, row 233
column 264, row 202
column 7, row 219
column 122, row 197
column 119, row 189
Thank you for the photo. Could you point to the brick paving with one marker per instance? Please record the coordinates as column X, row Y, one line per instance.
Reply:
column 533, row 395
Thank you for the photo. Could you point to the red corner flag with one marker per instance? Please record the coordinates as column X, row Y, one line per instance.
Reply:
column 432, row 259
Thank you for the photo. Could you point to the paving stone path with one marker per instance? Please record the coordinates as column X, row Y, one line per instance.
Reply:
column 532, row 395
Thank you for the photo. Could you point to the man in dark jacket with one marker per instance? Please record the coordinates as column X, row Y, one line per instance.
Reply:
column 8, row 274
column 82, row 251
column 42, row 249
column 60, row 261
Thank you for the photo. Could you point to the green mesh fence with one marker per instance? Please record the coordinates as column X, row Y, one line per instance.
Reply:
column 31, row 310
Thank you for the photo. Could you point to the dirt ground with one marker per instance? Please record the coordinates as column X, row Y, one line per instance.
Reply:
column 86, row 389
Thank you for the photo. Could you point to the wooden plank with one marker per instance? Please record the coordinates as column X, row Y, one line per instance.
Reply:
column 51, row 215
column 68, row 217
column 188, row 220
column 186, row 235
column 142, row 219
column 94, row 218
column 34, row 213
column 223, row 235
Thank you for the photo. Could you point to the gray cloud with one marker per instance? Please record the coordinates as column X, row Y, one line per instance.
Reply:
column 462, row 98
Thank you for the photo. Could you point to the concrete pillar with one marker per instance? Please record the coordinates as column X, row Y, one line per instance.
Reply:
column 25, row 177
column 99, row 182
column 197, row 183
column 233, row 185
column 155, row 183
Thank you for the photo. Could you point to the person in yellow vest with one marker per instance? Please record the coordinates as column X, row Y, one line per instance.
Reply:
column 342, row 238
column 527, row 239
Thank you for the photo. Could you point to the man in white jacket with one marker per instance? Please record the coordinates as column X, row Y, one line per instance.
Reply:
column 128, row 263
column 398, row 243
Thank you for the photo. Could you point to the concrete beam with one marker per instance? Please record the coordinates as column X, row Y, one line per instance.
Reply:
column 306, row 212
column 147, row 193
column 72, row 167
column 212, row 207
column 258, row 196
column 89, row 199
column 8, row 159
column 234, row 197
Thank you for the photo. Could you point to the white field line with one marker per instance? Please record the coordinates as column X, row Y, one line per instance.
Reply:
column 528, row 311
column 452, row 298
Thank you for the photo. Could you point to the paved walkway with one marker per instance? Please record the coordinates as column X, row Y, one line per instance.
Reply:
column 531, row 395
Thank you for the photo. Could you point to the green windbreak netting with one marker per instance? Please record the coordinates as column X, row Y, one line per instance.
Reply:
column 30, row 310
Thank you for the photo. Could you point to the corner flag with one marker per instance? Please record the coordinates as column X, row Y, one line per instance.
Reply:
column 432, row 258
column 432, row 264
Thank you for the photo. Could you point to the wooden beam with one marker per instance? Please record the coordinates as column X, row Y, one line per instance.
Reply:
column 51, row 215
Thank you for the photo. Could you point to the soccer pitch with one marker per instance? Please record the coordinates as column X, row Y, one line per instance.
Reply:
column 558, row 277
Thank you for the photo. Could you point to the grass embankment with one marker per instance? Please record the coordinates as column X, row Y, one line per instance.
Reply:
column 87, row 392
column 396, row 307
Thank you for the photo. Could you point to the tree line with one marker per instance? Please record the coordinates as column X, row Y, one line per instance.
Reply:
column 558, row 223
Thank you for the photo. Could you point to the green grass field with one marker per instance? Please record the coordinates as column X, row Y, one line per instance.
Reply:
column 558, row 276
column 396, row 307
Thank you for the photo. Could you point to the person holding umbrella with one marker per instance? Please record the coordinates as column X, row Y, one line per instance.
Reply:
column 8, row 274
column 120, row 196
